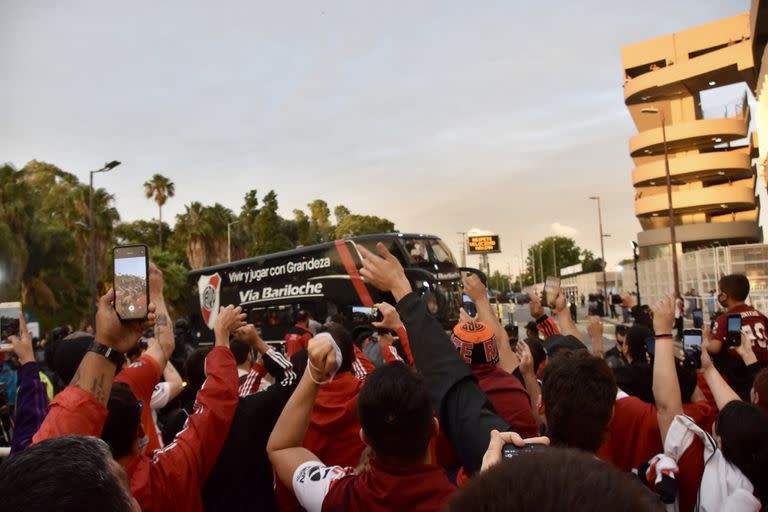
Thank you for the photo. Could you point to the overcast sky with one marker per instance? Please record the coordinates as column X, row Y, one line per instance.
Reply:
column 441, row 116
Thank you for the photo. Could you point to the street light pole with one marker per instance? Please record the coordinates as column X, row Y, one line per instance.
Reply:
column 602, row 248
column 672, row 233
column 229, row 240
column 91, row 240
column 463, row 247
column 636, row 256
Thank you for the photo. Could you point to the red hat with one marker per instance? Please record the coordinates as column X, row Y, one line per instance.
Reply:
column 476, row 343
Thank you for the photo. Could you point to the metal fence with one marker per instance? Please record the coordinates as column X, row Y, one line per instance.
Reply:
column 700, row 270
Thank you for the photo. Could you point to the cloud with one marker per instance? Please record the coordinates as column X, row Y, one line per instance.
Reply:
column 564, row 230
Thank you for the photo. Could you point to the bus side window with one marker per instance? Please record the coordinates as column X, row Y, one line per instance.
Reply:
column 391, row 247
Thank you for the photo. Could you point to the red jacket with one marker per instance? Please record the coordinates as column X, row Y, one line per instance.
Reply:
column 633, row 434
column 297, row 339
column 142, row 376
column 173, row 477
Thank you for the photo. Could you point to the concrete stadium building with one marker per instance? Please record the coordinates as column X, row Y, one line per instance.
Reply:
column 710, row 164
column 758, row 17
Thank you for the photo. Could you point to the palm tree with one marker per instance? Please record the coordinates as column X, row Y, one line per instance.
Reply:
column 193, row 226
column 161, row 188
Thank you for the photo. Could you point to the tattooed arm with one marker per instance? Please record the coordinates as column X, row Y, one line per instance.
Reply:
column 81, row 408
column 162, row 350
column 96, row 373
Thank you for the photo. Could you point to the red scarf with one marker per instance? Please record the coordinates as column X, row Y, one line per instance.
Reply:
column 384, row 488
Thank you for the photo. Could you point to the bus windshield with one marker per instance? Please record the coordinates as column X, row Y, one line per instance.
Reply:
column 428, row 251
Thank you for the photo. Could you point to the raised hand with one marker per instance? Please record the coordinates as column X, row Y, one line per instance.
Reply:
column 22, row 344
column 664, row 315
column 250, row 335
column 745, row 349
column 156, row 283
column 627, row 300
column 535, row 307
column 706, row 337
column 475, row 288
column 384, row 271
column 230, row 319
column 595, row 329
column 322, row 357
column 391, row 318
column 526, row 358
column 561, row 304
column 121, row 336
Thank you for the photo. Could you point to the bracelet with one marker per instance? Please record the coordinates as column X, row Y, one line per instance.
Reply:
column 319, row 383
column 108, row 353
column 664, row 336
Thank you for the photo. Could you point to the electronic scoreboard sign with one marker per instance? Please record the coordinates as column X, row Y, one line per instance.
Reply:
column 483, row 244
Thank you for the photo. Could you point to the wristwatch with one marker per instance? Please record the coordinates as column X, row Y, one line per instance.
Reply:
column 114, row 356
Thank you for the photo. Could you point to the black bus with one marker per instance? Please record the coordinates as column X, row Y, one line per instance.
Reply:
column 322, row 279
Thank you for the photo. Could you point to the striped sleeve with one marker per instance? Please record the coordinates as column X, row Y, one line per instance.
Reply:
column 547, row 326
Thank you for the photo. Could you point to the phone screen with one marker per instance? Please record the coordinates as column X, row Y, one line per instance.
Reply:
column 365, row 314
column 9, row 319
column 551, row 290
column 692, row 338
column 131, row 289
column 698, row 318
column 734, row 323
column 469, row 306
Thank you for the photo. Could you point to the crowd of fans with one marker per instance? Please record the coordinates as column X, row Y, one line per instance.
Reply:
column 403, row 417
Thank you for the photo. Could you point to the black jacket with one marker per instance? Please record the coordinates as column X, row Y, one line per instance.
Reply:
column 242, row 477
column 466, row 415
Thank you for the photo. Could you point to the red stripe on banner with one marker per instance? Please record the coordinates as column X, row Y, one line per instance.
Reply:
column 354, row 275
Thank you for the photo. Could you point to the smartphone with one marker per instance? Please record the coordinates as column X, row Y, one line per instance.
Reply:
column 698, row 318
column 692, row 348
column 366, row 314
column 511, row 451
column 468, row 305
column 551, row 290
column 131, row 273
column 733, row 334
column 9, row 319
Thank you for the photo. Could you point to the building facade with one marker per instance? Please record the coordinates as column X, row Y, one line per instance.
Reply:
column 758, row 17
column 712, row 175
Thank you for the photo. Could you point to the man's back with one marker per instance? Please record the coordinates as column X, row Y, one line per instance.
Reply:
column 753, row 323
column 296, row 339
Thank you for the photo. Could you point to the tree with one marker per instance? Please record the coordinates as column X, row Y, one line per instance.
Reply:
column 355, row 225
column 340, row 212
column 161, row 188
column 142, row 232
column 320, row 221
column 267, row 228
column 192, row 226
column 499, row 282
column 302, row 227
column 540, row 256
column 589, row 263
